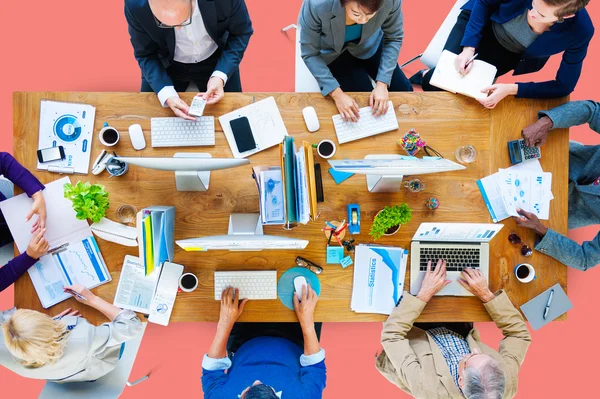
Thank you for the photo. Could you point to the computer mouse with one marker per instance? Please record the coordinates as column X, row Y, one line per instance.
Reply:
column 311, row 119
column 137, row 137
column 298, row 283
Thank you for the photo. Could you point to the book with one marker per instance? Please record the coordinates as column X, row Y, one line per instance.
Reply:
column 446, row 76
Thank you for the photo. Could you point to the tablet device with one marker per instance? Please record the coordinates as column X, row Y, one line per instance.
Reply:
column 242, row 133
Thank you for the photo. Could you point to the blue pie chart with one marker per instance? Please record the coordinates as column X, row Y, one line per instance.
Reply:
column 67, row 128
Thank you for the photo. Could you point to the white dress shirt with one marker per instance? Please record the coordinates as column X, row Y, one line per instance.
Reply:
column 193, row 44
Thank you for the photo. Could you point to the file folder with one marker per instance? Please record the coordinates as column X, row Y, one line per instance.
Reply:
column 156, row 227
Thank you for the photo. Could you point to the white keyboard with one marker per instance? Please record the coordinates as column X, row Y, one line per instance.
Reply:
column 252, row 284
column 178, row 132
column 367, row 125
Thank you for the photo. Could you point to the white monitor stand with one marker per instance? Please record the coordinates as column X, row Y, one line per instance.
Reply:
column 384, row 183
column 245, row 224
column 192, row 181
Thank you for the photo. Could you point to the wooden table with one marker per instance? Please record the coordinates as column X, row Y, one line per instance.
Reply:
column 444, row 120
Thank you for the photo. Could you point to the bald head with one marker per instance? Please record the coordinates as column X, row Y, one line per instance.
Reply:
column 171, row 12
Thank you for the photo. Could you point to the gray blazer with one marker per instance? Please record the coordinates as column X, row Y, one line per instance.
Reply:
column 584, row 197
column 322, row 30
column 91, row 352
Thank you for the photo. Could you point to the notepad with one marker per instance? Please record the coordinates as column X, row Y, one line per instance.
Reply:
column 446, row 76
column 534, row 309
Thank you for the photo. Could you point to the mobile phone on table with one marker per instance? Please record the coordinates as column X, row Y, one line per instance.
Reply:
column 51, row 154
column 242, row 133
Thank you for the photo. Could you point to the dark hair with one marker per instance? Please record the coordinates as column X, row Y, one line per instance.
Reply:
column 261, row 391
column 369, row 5
column 566, row 7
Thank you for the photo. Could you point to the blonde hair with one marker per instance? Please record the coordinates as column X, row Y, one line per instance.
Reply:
column 34, row 338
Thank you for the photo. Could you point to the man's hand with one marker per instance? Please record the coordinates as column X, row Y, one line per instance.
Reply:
column 305, row 308
column 474, row 282
column 38, row 245
column 535, row 135
column 378, row 100
column 434, row 281
column 214, row 90
column 346, row 105
column 529, row 220
column 497, row 93
column 231, row 306
column 179, row 108
column 460, row 63
column 37, row 208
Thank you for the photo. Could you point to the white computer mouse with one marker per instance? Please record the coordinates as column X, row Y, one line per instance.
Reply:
column 311, row 119
column 137, row 137
column 298, row 283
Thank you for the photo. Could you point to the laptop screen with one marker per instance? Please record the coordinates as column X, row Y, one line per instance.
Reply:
column 457, row 232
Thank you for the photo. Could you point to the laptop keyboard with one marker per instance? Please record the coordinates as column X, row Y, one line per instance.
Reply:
column 456, row 258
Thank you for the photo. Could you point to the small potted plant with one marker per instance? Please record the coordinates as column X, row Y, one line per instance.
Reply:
column 90, row 201
column 388, row 220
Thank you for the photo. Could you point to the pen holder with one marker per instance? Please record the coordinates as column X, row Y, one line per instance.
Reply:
column 411, row 142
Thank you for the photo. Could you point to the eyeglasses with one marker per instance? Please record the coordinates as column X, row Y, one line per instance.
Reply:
column 515, row 239
column 184, row 23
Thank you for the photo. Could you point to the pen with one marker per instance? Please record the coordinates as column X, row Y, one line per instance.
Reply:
column 75, row 294
column 471, row 60
column 547, row 309
column 330, row 225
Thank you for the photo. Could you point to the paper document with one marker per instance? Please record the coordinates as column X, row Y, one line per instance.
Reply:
column 271, row 192
column 302, row 203
column 446, row 76
column 136, row 290
column 266, row 124
column 166, row 291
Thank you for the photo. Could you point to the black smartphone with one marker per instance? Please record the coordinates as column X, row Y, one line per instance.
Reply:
column 51, row 154
column 242, row 133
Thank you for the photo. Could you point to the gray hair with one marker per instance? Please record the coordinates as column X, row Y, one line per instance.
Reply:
column 486, row 382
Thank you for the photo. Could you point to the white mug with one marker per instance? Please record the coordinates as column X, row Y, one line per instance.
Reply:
column 101, row 135
column 319, row 149
column 531, row 273
column 188, row 289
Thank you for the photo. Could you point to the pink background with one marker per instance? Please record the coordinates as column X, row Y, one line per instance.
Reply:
column 74, row 45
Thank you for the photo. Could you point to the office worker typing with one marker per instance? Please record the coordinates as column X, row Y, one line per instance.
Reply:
column 346, row 42
column 38, row 246
column 448, row 360
column 180, row 41
column 520, row 35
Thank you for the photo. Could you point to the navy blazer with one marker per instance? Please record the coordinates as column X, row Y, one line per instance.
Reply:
column 571, row 36
column 227, row 23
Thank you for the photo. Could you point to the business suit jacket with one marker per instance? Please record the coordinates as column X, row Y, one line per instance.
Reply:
column 571, row 36
column 412, row 360
column 227, row 23
column 584, row 197
column 90, row 353
column 322, row 30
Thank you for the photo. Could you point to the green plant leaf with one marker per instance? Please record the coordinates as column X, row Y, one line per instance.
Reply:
column 390, row 217
column 89, row 201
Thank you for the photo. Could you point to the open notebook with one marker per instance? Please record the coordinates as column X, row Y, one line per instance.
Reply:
column 446, row 76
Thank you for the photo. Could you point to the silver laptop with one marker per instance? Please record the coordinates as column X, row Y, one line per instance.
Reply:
column 460, row 244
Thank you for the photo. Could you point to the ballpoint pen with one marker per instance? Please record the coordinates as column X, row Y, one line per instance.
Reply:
column 75, row 294
column 471, row 59
column 548, row 303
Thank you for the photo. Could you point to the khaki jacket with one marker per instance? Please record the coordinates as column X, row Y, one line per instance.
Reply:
column 412, row 360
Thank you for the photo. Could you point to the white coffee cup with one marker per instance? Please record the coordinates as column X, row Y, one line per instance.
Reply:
column 188, row 277
column 108, row 140
column 520, row 270
column 323, row 145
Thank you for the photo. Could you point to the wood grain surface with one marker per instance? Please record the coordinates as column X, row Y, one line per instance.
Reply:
column 444, row 120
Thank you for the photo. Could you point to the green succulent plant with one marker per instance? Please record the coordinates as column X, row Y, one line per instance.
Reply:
column 390, row 216
column 90, row 201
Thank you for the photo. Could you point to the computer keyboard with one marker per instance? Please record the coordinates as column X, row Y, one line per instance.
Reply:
column 367, row 125
column 178, row 132
column 252, row 284
column 456, row 258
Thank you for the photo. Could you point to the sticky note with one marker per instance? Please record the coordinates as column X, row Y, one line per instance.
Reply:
column 334, row 254
column 347, row 261
column 339, row 177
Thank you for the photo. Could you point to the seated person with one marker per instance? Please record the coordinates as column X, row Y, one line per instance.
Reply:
column 346, row 42
column 66, row 348
column 520, row 35
column 266, row 360
column 38, row 246
column 584, row 185
column 180, row 41
column 448, row 360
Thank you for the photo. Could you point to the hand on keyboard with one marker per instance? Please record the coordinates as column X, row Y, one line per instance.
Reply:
column 346, row 105
column 378, row 100
column 434, row 281
column 231, row 306
column 474, row 281
column 179, row 108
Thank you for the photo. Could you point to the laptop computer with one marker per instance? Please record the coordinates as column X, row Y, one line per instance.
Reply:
column 460, row 244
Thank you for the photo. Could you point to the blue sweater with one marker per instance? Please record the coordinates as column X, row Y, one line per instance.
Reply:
column 273, row 361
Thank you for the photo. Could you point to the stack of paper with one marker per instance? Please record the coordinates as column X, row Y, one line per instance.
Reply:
column 525, row 186
column 378, row 278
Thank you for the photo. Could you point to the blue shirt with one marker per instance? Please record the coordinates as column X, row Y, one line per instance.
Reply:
column 276, row 362
column 353, row 32
column 453, row 347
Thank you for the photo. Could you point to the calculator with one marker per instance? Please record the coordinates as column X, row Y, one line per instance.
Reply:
column 519, row 152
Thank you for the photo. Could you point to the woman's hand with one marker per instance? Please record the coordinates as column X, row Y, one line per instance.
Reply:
column 82, row 292
column 378, row 100
column 67, row 312
column 346, row 105
column 37, row 208
column 460, row 63
column 38, row 245
column 497, row 93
